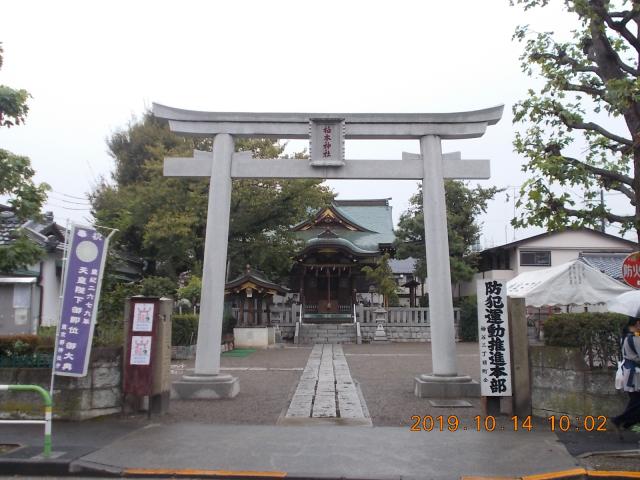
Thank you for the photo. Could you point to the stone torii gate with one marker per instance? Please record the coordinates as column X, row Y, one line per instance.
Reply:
column 327, row 133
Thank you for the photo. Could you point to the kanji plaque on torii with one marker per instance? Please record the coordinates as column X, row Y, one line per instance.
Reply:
column 327, row 132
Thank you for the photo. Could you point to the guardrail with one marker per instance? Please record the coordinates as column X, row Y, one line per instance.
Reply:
column 47, row 412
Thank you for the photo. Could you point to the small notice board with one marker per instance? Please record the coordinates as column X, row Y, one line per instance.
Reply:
column 140, row 344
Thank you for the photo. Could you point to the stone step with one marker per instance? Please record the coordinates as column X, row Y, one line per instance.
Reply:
column 314, row 333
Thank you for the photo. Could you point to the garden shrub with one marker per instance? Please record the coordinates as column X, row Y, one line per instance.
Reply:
column 184, row 329
column 14, row 345
column 468, row 319
column 228, row 322
column 596, row 334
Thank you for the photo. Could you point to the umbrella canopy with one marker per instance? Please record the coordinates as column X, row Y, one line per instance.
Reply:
column 572, row 283
column 627, row 304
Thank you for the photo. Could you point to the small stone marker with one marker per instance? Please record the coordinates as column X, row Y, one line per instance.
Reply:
column 380, row 335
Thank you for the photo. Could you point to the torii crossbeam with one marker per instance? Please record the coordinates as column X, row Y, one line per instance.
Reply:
column 327, row 133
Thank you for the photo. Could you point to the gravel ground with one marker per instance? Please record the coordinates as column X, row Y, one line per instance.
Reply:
column 386, row 372
column 264, row 394
column 628, row 463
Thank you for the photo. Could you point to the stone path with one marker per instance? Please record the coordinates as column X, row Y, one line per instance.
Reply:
column 326, row 389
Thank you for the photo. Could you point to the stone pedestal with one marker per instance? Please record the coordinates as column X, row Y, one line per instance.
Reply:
column 380, row 336
column 210, row 387
column 435, row 386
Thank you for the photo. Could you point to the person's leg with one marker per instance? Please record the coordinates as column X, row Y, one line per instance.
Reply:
column 632, row 412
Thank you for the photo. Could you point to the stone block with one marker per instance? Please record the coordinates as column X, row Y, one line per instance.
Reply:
column 106, row 398
column 557, row 379
column 424, row 387
column 205, row 387
column 600, row 383
column 608, row 405
column 105, row 377
column 557, row 401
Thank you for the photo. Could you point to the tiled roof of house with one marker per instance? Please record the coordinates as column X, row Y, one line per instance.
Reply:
column 9, row 223
column 608, row 263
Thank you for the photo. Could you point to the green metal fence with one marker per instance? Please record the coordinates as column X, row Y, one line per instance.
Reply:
column 34, row 360
column 47, row 412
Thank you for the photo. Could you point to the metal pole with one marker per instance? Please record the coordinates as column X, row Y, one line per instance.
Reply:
column 65, row 256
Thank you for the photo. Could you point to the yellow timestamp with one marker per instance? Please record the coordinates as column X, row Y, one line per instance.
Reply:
column 489, row 423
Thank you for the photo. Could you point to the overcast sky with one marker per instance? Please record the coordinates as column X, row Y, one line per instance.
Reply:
column 92, row 66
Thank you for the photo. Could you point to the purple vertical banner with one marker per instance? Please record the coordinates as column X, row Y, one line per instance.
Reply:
column 86, row 254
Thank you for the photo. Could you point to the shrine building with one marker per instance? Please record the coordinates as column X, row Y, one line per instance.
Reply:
column 338, row 241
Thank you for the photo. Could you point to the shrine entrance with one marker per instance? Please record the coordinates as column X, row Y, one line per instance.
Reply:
column 327, row 133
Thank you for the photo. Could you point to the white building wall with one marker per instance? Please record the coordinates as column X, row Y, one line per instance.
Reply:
column 469, row 288
column 50, row 284
column 566, row 246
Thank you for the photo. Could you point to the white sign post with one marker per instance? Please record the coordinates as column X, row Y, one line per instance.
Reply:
column 493, row 338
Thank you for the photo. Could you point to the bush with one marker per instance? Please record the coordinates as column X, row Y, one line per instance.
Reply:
column 184, row 329
column 596, row 334
column 468, row 319
column 228, row 322
column 158, row 287
column 13, row 345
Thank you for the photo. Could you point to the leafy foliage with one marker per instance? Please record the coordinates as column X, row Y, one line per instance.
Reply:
column 158, row 287
column 13, row 103
column 184, row 329
column 20, row 253
column 597, row 335
column 163, row 219
column 382, row 276
column 582, row 125
column 16, row 182
column 468, row 318
column 464, row 204
column 191, row 291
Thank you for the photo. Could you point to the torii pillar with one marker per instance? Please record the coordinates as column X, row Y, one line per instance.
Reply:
column 327, row 132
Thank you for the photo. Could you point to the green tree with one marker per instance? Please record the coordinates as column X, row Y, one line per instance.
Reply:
column 163, row 219
column 192, row 290
column 464, row 204
column 582, row 125
column 382, row 276
column 25, row 197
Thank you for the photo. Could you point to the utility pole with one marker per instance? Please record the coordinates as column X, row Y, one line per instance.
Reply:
column 602, row 219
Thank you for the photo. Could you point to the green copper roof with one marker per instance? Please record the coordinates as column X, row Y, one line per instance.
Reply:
column 374, row 215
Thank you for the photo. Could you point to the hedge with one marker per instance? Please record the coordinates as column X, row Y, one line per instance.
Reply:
column 468, row 319
column 596, row 334
column 184, row 329
column 18, row 344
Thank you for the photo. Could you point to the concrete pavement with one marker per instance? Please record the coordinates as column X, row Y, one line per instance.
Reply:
column 343, row 452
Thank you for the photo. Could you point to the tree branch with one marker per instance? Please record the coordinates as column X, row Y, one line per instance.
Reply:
column 599, row 37
column 611, row 217
column 621, row 28
column 576, row 66
column 574, row 87
column 628, row 192
column 596, row 128
column 613, row 176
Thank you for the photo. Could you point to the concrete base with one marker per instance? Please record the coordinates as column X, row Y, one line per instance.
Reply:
column 209, row 387
column 433, row 386
column 253, row 337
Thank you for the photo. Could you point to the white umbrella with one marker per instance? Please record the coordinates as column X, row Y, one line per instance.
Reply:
column 628, row 304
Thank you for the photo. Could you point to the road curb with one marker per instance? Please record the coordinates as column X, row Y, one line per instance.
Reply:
column 573, row 474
